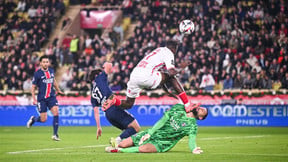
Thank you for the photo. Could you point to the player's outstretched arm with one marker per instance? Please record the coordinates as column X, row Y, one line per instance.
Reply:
column 192, row 145
column 107, row 68
column 33, row 94
column 57, row 87
column 97, row 119
column 173, row 70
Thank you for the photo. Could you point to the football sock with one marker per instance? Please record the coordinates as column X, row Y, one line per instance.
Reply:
column 118, row 139
column 55, row 124
column 183, row 97
column 36, row 119
column 117, row 102
column 130, row 150
column 127, row 133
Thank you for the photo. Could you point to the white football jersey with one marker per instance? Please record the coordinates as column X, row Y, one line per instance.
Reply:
column 159, row 58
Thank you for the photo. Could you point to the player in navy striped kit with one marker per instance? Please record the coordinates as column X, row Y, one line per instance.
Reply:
column 100, row 92
column 44, row 80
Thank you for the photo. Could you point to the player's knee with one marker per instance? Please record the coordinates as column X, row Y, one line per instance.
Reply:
column 43, row 119
column 137, row 128
column 56, row 113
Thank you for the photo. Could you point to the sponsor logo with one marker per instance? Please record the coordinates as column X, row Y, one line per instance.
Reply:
column 13, row 108
column 152, row 110
column 248, row 111
column 77, row 111
column 50, row 80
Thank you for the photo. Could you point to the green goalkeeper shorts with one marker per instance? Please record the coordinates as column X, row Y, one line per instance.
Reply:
column 160, row 144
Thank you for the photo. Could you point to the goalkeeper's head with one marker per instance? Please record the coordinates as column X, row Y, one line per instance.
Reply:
column 200, row 113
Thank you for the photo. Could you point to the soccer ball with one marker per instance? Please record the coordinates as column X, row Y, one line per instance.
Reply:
column 186, row 27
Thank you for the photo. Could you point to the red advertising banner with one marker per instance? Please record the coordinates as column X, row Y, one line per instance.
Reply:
column 165, row 100
column 96, row 19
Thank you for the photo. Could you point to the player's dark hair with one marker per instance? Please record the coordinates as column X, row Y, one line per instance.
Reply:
column 172, row 44
column 195, row 113
column 43, row 57
column 93, row 74
column 204, row 117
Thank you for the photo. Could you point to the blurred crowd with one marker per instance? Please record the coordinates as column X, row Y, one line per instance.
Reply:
column 237, row 44
column 25, row 26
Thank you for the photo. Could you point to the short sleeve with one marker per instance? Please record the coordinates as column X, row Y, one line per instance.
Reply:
column 35, row 79
column 168, row 58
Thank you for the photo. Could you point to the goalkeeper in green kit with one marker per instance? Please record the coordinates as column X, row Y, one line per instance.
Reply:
column 175, row 124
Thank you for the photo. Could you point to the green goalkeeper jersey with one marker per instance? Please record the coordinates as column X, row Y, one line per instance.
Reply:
column 172, row 127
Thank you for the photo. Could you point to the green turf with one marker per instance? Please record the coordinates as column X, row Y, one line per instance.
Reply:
column 80, row 144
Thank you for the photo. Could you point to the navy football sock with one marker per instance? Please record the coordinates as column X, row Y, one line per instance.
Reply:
column 127, row 133
column 36, row 119
column 55, row 124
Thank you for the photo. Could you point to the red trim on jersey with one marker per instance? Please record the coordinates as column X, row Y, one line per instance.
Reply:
column 183, row 97
column 49, row 85
column 157, row 66
column 153, row 53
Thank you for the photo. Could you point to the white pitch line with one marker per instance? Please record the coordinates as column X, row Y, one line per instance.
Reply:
column 52, row 149
column 231, row 137
column 228, row 137
column 93, row 146
column 247, row 154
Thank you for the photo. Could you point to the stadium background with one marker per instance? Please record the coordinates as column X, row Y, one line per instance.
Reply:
column 238, row 53
column 239, row 71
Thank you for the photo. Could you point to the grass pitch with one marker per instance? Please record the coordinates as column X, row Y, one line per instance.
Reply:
column 80, row 144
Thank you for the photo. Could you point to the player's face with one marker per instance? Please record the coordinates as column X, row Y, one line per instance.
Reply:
column 44, row 64
column 201, row 112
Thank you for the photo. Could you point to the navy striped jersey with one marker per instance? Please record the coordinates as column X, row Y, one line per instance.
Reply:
column 100, row 90
column 44, row 80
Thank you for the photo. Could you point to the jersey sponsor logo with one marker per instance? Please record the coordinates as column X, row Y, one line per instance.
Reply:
column 50, row 80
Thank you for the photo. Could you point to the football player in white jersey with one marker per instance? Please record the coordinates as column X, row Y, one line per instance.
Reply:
column 149, row 74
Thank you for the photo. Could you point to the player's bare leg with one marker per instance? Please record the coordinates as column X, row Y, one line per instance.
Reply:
column 43, row 117
column 174, row 81
column 147, row 148
column 55, row 111
column 128, row 142
column 179, row 90
column 135, row 125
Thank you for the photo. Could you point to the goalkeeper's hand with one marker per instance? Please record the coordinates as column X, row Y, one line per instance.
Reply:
column 144, row 138
column 197, row 150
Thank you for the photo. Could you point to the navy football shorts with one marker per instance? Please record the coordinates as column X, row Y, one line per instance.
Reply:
column 46, row 104
column 118, row 117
